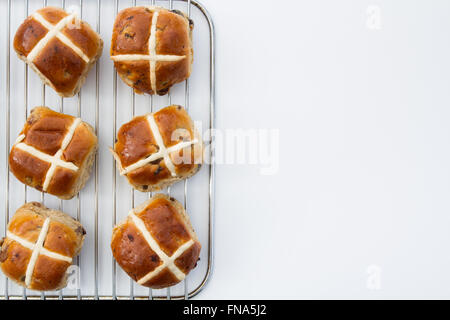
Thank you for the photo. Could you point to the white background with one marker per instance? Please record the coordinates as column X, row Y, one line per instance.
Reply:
column 364, row 165
column 364, row 174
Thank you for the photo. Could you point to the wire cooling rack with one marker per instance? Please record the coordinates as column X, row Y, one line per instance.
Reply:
column 106, row 103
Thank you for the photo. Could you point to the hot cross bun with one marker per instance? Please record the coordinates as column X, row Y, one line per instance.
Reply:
column 156, row 244
column 54, row 153
column 158, row 149
column 59, row 47
column 152, row 48
column 39, row 246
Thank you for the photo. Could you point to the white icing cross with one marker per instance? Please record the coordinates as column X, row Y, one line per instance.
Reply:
column 168, row 262
column 163, row 152
column 55, row 160
column 37, row 249
column 152, row 57
column 54, row 31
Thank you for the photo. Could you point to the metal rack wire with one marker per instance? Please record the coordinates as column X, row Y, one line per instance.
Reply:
column 188, row 4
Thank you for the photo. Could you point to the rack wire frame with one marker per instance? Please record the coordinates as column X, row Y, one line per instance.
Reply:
column 187, row 294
